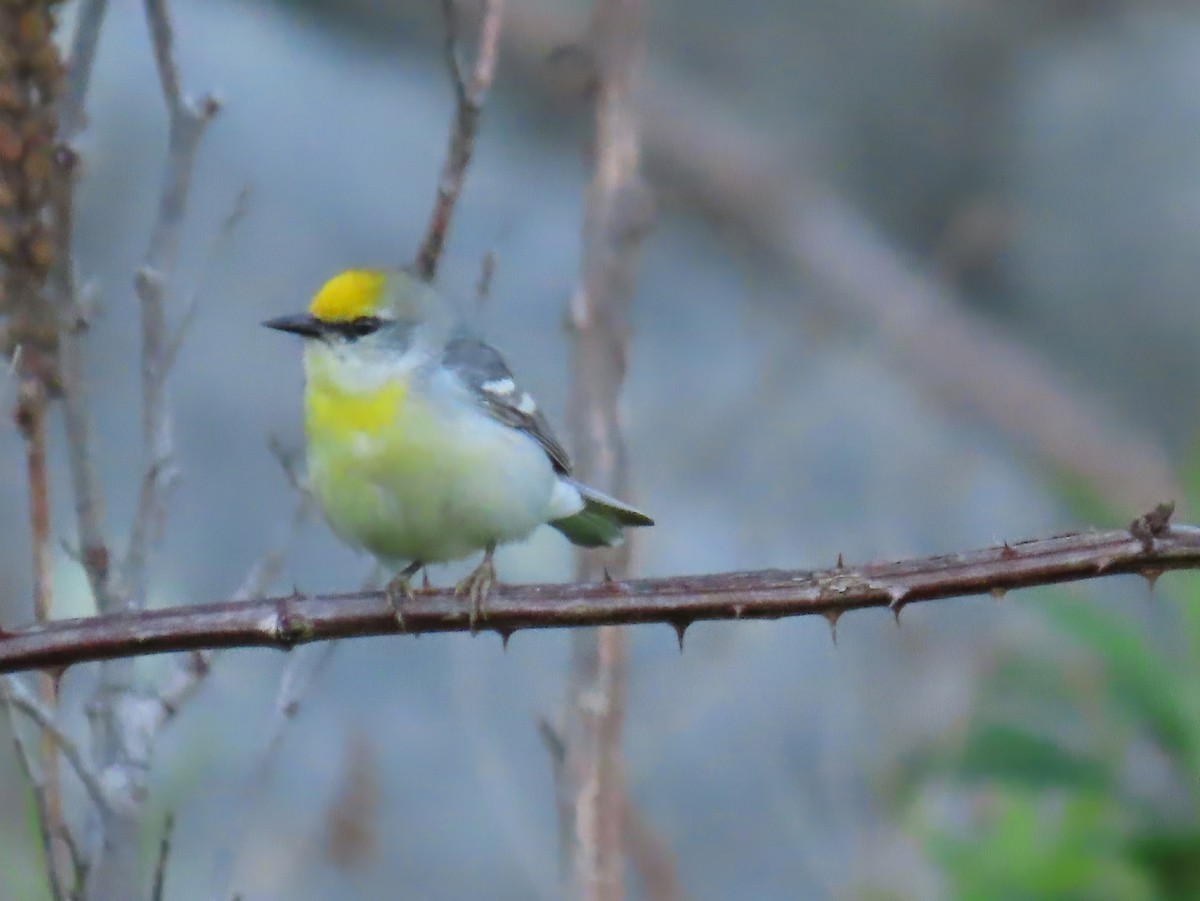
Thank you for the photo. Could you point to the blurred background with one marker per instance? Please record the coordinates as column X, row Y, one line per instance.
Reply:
column 923, row 279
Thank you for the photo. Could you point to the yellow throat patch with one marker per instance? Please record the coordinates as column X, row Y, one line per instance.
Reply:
column 349, row 295
column 335, row 412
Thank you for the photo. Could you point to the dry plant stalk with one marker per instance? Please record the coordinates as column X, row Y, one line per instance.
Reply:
column 31, row 80
column 589, row 778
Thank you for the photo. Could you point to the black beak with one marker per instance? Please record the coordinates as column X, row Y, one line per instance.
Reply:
column 303, row 324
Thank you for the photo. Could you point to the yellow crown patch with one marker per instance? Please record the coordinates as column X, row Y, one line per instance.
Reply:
column 349, row 295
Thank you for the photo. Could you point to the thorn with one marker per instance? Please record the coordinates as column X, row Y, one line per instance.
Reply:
column 896, row 608
column 505, row 635
column 998, row 593
column 897, row 593
column 1007, row 552
column 832, row 617
column 681, row 626
column 738, row 610
column 1102, row 565
column 1151, row 576
column 841, row 563
column 608, row 579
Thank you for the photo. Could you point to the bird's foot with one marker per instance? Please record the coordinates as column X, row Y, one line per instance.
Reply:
column 399, row 589
column 477, row 586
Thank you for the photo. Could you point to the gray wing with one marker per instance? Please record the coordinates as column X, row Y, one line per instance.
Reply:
column 481, row 368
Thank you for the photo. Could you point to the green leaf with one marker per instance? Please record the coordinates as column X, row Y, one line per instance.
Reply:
column 1009, row 754
column 1173, row 860
column 1148, row 693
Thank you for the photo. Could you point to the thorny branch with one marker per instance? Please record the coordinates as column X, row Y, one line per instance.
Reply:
column 469, row 95
column 284, row 622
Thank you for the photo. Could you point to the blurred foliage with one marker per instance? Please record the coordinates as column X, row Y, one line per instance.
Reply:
column 1076, row 774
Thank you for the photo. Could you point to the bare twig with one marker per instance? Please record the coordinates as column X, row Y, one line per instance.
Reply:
column 21, row 698
column 187, row 123
column 164, row 854
column 591, row 787
column 300, row 674
column 73, row 316
column 469, row 96
column 31, row 419
column 237, row 213
column 72, row 117
column 125, row 723
column 652, row 858
column 37, row 788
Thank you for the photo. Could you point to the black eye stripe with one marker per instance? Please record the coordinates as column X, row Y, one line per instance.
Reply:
column 356, row 328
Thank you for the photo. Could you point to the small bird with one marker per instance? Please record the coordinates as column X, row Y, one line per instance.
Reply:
column 422, row 448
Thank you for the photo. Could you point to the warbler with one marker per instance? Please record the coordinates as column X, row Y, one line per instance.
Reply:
column 421, row 446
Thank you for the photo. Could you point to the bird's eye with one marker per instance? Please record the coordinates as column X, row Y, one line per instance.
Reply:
column 363, row 325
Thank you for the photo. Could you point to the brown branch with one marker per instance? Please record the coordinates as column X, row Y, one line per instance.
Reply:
column 31, row 81
column 284, row 622
column 469, row 96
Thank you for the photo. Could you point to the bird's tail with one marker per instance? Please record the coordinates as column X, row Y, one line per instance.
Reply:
column 601, row 520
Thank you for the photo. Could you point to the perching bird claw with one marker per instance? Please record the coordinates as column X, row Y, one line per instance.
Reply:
column 399, row 589
column 478, row 585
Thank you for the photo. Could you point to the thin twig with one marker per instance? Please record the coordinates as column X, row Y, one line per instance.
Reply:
column 125, row 723
column 73, row 315
column 29, row 771
column 469, row 95
column 241, row 205
column 294, row 687
column 188, row 676
column 614, row 221
column 651, row 856
column 72, row 117
column 285, row 622
column 187, row 123
column 21, row 698
column 164, row 853
column 31, row 418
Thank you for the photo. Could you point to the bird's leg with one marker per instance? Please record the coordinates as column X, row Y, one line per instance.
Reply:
column 399, row 589
column 478, row 585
